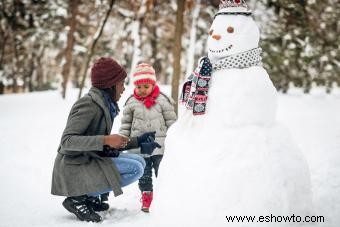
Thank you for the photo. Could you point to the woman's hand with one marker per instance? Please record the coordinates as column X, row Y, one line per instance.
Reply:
column 116, row 141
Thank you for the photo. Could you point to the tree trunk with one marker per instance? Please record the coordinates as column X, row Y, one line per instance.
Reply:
column 30, row 73
column 69, row 47
column 15, row 87
column 154, row 41
column 136, row 53
column 41, row 76
column 3, row 40
column 177, row 51
column 191, row 51
column 3, row 45
column 136, row 37
column 2, row 88
column 90, row 53
column 16, row 66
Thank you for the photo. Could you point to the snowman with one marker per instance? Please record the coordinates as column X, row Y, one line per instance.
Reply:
column 227, row 155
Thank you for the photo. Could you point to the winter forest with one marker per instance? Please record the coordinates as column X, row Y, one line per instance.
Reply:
column 263, row 142
column 48, row 45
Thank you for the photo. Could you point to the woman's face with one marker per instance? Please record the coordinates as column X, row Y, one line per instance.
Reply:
column 143, row 90
column 120, row 88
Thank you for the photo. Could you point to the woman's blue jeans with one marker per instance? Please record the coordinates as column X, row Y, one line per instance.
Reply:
column 131, row 168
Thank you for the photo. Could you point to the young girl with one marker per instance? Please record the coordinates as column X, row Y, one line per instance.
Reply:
column 147, row 110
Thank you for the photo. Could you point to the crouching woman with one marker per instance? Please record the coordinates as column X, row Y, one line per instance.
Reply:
column 89, row 163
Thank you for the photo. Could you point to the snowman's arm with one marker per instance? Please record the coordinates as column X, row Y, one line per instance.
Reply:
column 126, row 122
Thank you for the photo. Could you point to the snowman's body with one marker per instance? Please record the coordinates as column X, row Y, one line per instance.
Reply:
column 235, row 159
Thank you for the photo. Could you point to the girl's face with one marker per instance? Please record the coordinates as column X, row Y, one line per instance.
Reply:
column 143, row 90
column 120, row 88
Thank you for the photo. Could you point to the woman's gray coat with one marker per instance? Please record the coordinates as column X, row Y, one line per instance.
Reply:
column 78, row 169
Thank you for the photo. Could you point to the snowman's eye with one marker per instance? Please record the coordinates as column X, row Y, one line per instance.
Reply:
column 211, row 32
column 230, row 29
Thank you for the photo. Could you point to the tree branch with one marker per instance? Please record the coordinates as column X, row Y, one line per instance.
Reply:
column 89, row 56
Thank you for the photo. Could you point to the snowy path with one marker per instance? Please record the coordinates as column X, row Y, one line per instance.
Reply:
column 31, row 126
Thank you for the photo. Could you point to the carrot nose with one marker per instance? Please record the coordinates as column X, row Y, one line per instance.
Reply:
column 217, row 37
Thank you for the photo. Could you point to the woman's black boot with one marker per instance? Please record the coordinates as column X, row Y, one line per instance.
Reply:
column 99, row 203
column 78, row 205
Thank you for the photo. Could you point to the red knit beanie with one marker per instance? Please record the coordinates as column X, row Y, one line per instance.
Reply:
column 106, row 72
column 144, row 73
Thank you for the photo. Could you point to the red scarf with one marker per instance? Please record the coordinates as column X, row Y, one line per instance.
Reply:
column 150, row 99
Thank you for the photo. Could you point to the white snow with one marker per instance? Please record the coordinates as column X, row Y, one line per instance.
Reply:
column 31, row 126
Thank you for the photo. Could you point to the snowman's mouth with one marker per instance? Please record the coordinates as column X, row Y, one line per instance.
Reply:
column 221, row 50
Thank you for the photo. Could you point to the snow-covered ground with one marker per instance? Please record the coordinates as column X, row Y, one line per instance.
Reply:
column 30, row 130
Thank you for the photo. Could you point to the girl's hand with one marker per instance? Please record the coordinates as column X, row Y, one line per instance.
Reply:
column 116, row 141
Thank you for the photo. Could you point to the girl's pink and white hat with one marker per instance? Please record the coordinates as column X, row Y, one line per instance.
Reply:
column 144, row 74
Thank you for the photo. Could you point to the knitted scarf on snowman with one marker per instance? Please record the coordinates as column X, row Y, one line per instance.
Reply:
column 195, row 90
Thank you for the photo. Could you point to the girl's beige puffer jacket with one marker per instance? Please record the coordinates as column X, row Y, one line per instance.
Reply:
column 138, row 119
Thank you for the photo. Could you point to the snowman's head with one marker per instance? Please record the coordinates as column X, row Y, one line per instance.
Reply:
column 231, row 34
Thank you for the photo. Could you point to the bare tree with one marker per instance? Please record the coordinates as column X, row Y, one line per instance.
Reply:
column 136, row 27
column 192, row 42
column 73, row 8
column 177, row 51
column 91, row 52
